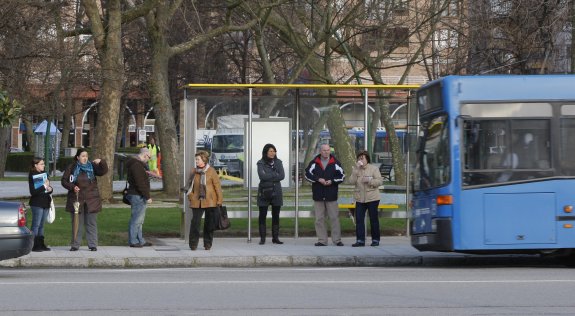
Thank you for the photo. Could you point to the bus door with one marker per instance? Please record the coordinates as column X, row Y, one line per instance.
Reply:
column 504, row 202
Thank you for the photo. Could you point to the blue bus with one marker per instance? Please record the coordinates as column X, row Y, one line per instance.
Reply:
column 382, row 147
column 493, row 170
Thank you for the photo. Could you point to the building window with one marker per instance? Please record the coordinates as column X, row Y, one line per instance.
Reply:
column 501, row 7
column 383, row 9
column 447, row 39
column 397, row 37
column 452, row 8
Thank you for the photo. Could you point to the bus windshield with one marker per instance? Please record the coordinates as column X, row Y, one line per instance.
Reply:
column 228, row 143
column 432, row 168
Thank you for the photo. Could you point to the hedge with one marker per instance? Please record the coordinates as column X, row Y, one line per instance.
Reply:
column 20, row 162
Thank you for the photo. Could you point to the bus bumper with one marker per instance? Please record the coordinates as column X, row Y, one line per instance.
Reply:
column 442, row 240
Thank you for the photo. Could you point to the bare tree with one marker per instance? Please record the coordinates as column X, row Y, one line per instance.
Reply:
column 519, row 37
column 158, row 24
column 9, row 111
column 106, row 19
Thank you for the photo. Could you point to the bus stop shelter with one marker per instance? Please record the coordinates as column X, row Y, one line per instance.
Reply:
column 275, row 117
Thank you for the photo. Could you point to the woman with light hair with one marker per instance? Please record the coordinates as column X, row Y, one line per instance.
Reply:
column 205, row 194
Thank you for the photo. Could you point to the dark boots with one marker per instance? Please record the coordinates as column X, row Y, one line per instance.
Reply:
column 42, row 244
column 262, row 234
column 275, row 234
column 39, row 244
column 36, row 247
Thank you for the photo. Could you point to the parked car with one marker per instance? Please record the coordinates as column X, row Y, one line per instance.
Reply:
column 16, row 239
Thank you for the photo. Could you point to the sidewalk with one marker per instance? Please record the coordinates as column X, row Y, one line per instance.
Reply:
column 237, row 252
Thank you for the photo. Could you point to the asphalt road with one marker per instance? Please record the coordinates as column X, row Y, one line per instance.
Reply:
column 289, row 291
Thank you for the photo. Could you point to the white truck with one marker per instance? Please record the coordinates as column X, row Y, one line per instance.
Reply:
column 204, row 138
column 227, row 151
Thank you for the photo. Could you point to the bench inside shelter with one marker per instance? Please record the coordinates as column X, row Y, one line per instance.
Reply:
column 385, row 171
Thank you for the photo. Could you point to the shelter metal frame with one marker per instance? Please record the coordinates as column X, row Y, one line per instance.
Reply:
column 364, row 88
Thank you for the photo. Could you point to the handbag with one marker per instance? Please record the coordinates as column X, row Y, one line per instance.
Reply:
column 267, row 190
column 221, row 220
column 51, row 213
column 125, row 195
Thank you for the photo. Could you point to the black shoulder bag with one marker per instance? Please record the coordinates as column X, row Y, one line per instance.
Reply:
column 125, row 195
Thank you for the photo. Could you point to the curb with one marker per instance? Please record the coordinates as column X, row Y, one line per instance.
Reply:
column 278, row 261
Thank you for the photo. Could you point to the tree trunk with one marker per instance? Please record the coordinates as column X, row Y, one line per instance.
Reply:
column 30, row 135
column 4, row 148
column 165, row 123
column 397, row 156
column 344, row 151
column 156, row 25
column 121, row 126
column 108, row 41
column 107, row 124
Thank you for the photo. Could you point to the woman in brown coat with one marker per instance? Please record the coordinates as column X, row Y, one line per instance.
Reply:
column 79, row 179
column 205, row 194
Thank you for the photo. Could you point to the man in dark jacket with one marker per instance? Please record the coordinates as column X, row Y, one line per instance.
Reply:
column 139, row 196
column 325, row 173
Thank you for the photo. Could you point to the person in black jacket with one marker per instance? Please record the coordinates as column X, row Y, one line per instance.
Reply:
column 326, row 174
column 40, row 200
column 270, row 172
column 139, row 196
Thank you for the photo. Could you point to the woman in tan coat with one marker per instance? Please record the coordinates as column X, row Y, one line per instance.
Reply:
column 204, row 195
column 367, row 180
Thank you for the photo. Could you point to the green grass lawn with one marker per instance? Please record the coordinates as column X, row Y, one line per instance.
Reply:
column 165, row 222
column 15, row 179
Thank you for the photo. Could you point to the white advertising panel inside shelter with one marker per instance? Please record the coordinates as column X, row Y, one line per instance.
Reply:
column 271, row 131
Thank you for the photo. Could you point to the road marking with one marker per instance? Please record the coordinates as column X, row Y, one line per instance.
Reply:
column 228, row 282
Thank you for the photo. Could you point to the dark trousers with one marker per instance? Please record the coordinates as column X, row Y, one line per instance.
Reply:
column 275, row 215
column 360, row 209
column 197, row 214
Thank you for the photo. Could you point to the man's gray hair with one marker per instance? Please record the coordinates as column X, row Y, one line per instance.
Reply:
column 144, row 151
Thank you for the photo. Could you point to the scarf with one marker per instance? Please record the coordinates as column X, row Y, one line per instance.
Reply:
column 271, row 163
column 87, row 168
column 202, row 173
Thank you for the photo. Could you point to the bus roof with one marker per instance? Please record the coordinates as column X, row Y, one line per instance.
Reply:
column 507, row 87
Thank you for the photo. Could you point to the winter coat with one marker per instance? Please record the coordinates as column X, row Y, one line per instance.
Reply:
column 38, row 197
column 89, row 193
column 366, row 191
column 333, row 171
column 270, row 177
column 138, row 180
column 214, row 194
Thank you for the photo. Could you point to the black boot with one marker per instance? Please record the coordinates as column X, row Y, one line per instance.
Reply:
column 262, row 234
column 275, row 233
column 37, row 246
column 42, row 244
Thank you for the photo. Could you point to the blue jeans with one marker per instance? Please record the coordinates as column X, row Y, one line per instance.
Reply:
column 135, row 235
column 38, row 218
column 360, row 209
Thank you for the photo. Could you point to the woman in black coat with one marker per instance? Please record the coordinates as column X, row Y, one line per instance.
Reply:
column 270, row 172
column 40, row 200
